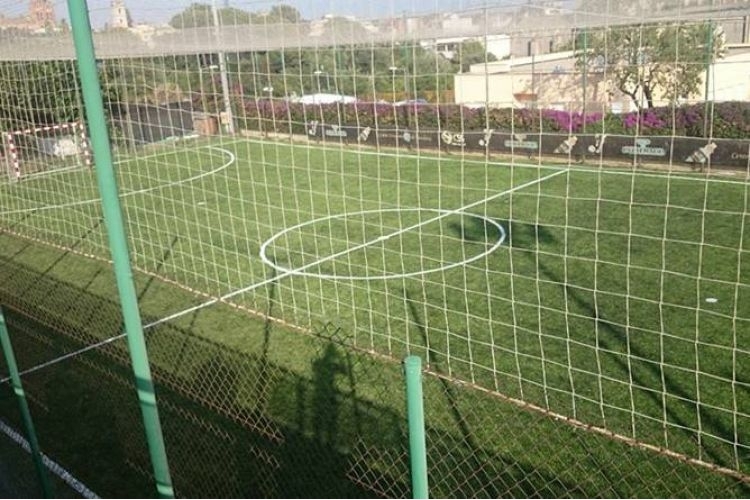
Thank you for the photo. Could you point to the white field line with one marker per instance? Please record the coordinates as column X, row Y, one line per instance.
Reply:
column 232, row 159
column 444, row 267
column 336, row 255
column 292, row 272
column 50, row 464
column 593, row 169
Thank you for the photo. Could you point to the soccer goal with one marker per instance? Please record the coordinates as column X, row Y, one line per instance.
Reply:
column 42, row 150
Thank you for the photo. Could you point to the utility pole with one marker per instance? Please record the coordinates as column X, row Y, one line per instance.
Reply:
column 709, row 60
column 223, row 73
column 585, row 75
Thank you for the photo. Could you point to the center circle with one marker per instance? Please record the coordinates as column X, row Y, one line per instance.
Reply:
column 441, row 214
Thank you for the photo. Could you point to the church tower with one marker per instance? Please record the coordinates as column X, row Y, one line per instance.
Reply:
column 41, row 14
column 120, row 16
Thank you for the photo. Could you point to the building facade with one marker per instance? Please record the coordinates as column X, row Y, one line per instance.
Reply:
column 552, row 81
column 120, row 16
column 40, row 17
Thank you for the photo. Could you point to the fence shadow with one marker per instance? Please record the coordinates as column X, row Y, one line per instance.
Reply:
column 326, row 422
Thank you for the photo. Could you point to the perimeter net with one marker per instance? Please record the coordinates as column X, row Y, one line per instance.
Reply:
column 544, row 200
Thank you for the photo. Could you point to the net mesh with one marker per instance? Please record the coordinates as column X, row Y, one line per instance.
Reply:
column 553, row 219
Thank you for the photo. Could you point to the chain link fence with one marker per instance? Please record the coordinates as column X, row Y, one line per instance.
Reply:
column 241, row 424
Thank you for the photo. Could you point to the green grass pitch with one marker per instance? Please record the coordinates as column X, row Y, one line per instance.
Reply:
column 614, row 297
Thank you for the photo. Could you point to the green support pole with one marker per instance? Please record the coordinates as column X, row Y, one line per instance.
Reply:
column 415, row 415
column 15, row 381
column 92, row 96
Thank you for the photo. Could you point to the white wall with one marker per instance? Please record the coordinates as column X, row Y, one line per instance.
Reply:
column 729, row 81
column 555, row 91
column 498, row 45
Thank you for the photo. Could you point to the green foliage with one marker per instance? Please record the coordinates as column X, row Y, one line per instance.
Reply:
column 728, row 120
column 281, row 14
column 199, row 15
column 472, row 52
column 38, row 93
column 359, row 71
column 646, row 62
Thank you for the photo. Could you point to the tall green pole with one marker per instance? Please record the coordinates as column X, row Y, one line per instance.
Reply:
column 28, row 423
column 415, row 415
column 92, row 96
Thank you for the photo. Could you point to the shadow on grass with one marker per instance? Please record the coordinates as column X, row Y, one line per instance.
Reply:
column 518, row 235
column 165, row 256
column 330, row 423
column 509, row 477
column 474, row 229
column 326, row 422
column 235, row 424
column 616, row 339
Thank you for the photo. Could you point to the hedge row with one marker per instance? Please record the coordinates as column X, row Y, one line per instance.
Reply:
column 725, row 120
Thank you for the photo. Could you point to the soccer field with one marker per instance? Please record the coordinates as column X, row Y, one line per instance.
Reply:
column 617, row 298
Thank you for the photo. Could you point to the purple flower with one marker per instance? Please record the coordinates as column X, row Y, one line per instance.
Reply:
column 569, row 121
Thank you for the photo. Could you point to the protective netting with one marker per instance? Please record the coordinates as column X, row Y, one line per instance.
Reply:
column 545, row 201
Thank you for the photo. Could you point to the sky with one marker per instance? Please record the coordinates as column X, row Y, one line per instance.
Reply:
column 160, row 11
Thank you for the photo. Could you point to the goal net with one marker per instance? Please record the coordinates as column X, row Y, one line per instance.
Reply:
column 41, row 150
column 545, row 200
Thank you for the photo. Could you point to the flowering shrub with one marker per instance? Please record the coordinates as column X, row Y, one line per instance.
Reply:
column 688, row 121
column 730, row 119
column 727, row 120
column 567, row 121
column 647, row 122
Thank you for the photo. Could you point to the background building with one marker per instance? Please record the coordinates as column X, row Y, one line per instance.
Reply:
column 120, row 17
column 40, row 17
column 552, row 81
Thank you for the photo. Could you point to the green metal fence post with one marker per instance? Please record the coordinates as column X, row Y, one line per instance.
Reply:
column 28, row 423
column 415, row 415
column 92, row 96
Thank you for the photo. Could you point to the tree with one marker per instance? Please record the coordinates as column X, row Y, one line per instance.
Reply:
column 38, row 93
column 645, row 62
column 472, row 52
column 199, row 15
column 279, row 14
column 634, row 8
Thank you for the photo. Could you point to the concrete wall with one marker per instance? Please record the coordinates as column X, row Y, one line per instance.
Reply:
column 546, row 90
column 729, row 79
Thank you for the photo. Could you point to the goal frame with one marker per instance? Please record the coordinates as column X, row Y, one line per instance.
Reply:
column 13, row 157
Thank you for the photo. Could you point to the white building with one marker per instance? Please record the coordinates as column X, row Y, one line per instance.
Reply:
column 497, row 45
column 120, row 17
column 553, row 81
column 729, row 78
